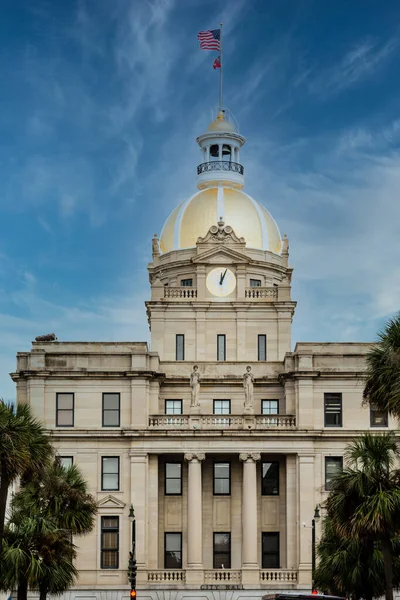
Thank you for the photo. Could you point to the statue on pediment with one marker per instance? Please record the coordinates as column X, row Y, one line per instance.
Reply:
column 248, row 384
column 155, row 246
column 195, row 386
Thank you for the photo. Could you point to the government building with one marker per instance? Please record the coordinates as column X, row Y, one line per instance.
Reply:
column 222, row 437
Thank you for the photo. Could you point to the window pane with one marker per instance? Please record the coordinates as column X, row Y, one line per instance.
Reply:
column 65, row 401
column 111, row 418
column 109, row 559
column 221, row 486
column 173, row 542
column 110, row 481
column 221, row 470
column 270, row 551
column 333, row 466
column 379, row 418
column 270, row 407
column 109, row 542
column 222, row 560
column 110, row 464
column 220, row 347
column 173, row 469
column 173, row 486
column 111, row 401
column 333, row 410
column 222, row 407
column 180, row 347
column 262, row 347
column 270, row 478
column 110, row 522
column 66, row 461
column 173, row 407
column 187, row 282
column 65, row 417
column 221, row 542
column 255, row 282
column 173, row 552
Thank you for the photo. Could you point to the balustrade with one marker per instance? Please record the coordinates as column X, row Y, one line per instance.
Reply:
column 222, row 576
column 276, row 576
column 166, row 576
column 223, row 422
column 180, row 293
column 261, row 293
column 220, row 165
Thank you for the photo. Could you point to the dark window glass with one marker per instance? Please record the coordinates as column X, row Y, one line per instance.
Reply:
column 222, row 551
column 180, row 347
column 270, row 550
column 173, row 407
column 379, row 418
column 333, row 466
column 110, row 473
column 111, row 409
column 262, row 347
column 173, row 551
column 270, row 407
column 109, row 542
column 173, row 479
column 255, row 282
column 64, row 410
column 270, row 478
column 222, row 407
column 222, row 479
column 66, row 461
column 221, row 347
column 333, row 410
column 187, row 282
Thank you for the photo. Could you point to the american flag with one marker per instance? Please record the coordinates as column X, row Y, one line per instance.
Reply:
column 210, row 40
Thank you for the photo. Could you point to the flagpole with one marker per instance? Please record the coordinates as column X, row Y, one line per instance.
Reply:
column 220, row 71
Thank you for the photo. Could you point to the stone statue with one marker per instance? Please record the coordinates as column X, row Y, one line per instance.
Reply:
column 248, row 384
column 195, row 385
column 49, row 337
column 155, row 247
column 285, row 244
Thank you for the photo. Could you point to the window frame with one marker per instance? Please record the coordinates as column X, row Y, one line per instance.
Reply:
column 328, row 459
column 327, row 397
column 186, row 284
column 104, row 530
column 173, row 462
column 270, row 413
column 215, row 533
column 222, row 462
column 179, row 335
column 65, row 409
column 373, row 410
column 63, row 456
column 172, row 400
column 263, row 493
column 258, row 284
column 223, row 336
column 261, row 336
column 103, row 410
column 265, row 554
column 221, row 400
column 165, row 548
column 118, row 488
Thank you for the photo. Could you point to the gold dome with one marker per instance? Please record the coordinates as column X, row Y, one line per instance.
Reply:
column 221, row 124
column 194, row 217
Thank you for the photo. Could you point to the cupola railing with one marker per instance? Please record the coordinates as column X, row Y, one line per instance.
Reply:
column 220, row 165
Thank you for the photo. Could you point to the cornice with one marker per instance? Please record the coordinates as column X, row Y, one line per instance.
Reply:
column 74, row 375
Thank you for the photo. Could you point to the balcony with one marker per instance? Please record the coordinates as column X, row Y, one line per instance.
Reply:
column 180, row 293
column 281, row 578
column 261, row 293
column 222, row 422
column 220, row 165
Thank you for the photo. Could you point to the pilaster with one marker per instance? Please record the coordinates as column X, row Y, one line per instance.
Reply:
column 250, row 566
column 306, row 506
column 139, row 477
column 195, row 569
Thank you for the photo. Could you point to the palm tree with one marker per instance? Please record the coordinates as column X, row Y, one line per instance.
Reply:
column 382, row 387
column 24, row 447
column 350, row 567
column 364, row 503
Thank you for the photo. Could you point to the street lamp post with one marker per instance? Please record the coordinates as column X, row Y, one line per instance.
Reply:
column 315, row 520
column 132, row 568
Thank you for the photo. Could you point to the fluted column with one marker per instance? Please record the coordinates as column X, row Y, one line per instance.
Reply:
column 249, row 511
column 195, row 512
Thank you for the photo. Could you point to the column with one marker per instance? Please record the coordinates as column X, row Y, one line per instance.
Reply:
column 306, row 500
column 250, row 564
column 139, row 500
column 195, row 519
column 152, row 504
column 291, row 511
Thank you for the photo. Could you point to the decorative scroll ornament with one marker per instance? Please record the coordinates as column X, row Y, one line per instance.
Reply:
column 195, row 456
column 220, row 234
column 255, row 456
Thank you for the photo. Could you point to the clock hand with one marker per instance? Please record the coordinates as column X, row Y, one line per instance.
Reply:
column 223, row 277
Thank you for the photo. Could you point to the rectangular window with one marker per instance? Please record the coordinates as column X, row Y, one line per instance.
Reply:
column 333, row 410
column 66, row 461
column 222, row 407
column 180, row 347
column 255, row 282
column 110, row 473
column 173, row 551
column 173, row 479
column 65, row 410
column 222, row 479
column 109, row 542
column 270, row 478
column 270, row 407
column 222, row 551
column 173, row 407
column 111, row 409
column 221, row 347
column 270, row 550
column 262, row 347
column 333, row 466
column 187, row 282
column 378, row 418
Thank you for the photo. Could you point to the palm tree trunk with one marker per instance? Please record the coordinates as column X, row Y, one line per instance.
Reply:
column 4, row 485
column 43, row 593
column 22, row 592
column 388, row 564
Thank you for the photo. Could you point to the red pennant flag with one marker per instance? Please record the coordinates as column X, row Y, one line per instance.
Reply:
column 217, row 63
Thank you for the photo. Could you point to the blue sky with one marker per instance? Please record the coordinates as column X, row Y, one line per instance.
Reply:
column 100, row 104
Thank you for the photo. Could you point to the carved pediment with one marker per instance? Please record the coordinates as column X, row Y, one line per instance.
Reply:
column 222, row 255
column 221, row 234
column 111, row 502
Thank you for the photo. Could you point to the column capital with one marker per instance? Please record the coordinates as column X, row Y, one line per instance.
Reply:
column 255, row 456
column 199, row 456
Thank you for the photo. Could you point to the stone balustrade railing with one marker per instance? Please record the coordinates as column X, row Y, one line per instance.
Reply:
column 261, row 293
column 222, row 576
column 218, row 422
column 180, row 293
column 166, row 576
column 276, row 576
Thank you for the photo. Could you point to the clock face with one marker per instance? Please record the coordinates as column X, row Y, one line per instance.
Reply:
column 221, row 282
